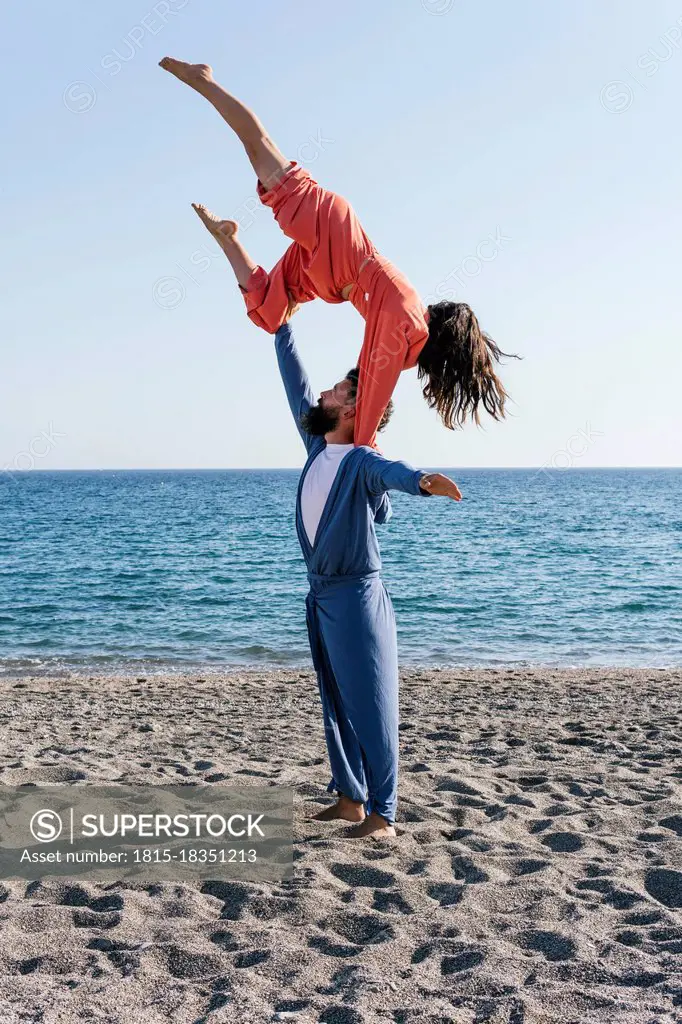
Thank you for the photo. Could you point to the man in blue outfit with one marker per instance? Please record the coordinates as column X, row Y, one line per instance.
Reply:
column 351, row 626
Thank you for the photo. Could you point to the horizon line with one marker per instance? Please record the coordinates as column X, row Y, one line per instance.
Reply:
column 260, row 469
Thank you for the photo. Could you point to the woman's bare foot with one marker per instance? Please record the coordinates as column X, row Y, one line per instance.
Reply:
column 224, row 231
column 373, row 825
column 344, row 809
column 196, row 75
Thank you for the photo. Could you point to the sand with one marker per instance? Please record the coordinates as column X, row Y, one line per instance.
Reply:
column 537, row 875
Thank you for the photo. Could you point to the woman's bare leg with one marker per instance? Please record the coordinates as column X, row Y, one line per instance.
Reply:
column 225, row 234
column 267, row 160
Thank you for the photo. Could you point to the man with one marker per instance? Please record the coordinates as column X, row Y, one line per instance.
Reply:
column 351, row 626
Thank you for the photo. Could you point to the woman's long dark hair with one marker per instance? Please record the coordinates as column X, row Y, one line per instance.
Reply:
column 457, row 363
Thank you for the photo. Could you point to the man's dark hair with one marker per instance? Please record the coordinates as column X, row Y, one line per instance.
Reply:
column 354, row 376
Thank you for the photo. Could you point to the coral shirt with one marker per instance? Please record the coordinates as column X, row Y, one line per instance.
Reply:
column 328, row 253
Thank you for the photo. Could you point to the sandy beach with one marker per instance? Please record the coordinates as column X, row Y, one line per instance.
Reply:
column 536, row 877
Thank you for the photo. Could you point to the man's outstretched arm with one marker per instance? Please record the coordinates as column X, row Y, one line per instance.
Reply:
column 294, row 378
column 387, row 475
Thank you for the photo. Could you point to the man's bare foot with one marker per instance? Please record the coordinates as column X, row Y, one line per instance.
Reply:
column 223, row 231
column 196, row 75
column 373, row 825
column 344, row 809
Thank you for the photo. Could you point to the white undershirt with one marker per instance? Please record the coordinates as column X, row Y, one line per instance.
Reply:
column 317, row 485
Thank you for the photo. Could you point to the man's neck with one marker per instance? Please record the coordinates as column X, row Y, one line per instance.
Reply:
column 339, row 436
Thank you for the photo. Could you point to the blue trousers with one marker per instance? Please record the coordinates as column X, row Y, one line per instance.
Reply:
column 353, row 641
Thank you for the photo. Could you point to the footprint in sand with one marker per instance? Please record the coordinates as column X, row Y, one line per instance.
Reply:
column 252, row 958
column 467, row 837
column 665, row 885
column 329, row 948
column 563, row 842
column 225, row 940
column 539, row 826
column 520, row 801
column 341, row 1015
column 77, row 896
column 30, row 965
column 448, row 943
column 218, row 998
column 418, row 867
column 391, row 903
column 120, row 954
column 674, row 823
column 86, row 918
column 455, row 786
column 292, row 1006
column 527, row 866
column 620, row 899
column 530, row 781
column 359, row 875
column 465, row 870
column 446, row 893
column 552, row 945
column 235, row 897
column 464, row 961
column 378, row 854
column 362, row 929
column 184, row 964
column 593, row 870
column 629, row 937
column 651, row 837
column 642, row 918
column 275, row 908
column 414, row 815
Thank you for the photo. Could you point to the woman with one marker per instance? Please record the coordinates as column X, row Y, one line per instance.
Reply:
column 332, row 258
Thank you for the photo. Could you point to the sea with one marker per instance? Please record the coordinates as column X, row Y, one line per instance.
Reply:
column 160, row 571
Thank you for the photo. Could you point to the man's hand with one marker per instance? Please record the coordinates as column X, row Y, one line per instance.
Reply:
column 437, row 483
column 293, row 307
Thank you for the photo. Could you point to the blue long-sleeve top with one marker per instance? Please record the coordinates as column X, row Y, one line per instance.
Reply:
column 346, row 542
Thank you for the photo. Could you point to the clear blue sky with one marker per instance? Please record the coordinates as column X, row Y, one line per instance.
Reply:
column 444, row 123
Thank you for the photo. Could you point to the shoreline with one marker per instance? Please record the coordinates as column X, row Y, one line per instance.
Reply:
column 111, row 670
column 536, row 876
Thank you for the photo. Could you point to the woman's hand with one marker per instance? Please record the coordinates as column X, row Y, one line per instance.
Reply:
column 437, row 483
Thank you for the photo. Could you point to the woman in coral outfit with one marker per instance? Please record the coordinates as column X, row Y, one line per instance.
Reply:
column 332, row 258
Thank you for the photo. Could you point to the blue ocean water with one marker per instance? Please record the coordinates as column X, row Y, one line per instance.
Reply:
column 172, row 569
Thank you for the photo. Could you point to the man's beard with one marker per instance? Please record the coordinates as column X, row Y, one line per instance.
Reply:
column 319, row 421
